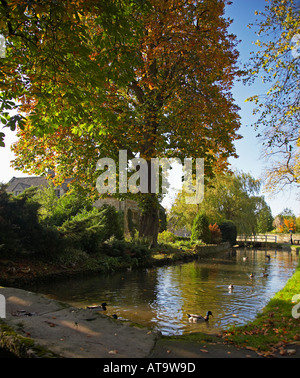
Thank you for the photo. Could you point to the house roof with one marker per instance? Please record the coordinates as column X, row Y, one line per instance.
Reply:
column 26, row 182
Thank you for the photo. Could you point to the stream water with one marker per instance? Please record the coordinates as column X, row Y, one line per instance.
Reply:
column 161, row 297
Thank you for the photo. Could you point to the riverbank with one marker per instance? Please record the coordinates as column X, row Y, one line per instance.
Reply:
column 276, row 328
column 39, row 327
column 30, row 269
column 283, row 343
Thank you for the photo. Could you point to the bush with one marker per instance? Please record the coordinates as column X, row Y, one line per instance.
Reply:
column 229, row 231
column 166, row 237
column 200, row 229
column 88, row 229
column 216, row 235
column 20, row 230
column 65, row 207
column 129, row 251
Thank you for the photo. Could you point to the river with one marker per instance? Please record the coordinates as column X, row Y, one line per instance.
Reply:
column 161, row 297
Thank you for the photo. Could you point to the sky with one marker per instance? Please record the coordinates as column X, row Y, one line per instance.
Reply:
column 248, row 149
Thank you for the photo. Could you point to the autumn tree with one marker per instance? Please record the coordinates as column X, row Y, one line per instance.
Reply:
column 50, row 62
column 277, row 62
column 153, row 91
column 285, row 221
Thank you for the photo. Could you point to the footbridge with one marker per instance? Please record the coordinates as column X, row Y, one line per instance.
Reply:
column 257, row 239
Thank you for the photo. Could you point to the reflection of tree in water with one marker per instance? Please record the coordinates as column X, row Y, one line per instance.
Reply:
column 161, row 297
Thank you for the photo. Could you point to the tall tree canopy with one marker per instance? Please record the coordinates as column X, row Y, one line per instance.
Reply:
column 278, row 63
column 157, row 86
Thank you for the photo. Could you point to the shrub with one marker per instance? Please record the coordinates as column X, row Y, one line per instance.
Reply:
column 65, row 207
column 166, row 237
column 216, row 235
column 129, row 251
column 88, row 229
column 20, row 230
column 200, row 229
column 229, row 231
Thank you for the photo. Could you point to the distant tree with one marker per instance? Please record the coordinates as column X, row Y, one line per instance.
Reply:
column 200, row 229
column 285, row 221
column 265, row 220
column 227, row 197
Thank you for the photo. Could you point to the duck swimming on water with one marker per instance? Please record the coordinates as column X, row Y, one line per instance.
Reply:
column 101, row 307
column 198, row 318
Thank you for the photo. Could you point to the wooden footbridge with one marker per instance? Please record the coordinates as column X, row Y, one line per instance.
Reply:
column 256, row 239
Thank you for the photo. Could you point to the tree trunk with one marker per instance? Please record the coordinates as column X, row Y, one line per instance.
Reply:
column 150, row 218
column 149, row 206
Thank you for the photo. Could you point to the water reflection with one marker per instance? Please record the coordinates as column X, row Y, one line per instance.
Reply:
column 161, row 297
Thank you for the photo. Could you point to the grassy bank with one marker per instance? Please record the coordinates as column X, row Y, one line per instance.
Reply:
column 275, row 327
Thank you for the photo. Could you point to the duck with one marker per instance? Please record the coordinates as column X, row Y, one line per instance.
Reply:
column 198, row 318
column 268, row 257
column 251, row 275
column 230, row 287
column 245, row 258
column 101, row 307
column 265, row 274
column 114, row 316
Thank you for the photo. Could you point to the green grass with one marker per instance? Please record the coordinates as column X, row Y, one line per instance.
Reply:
column 274, row 326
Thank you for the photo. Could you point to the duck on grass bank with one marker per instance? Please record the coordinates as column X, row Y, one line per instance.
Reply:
column 198, row 318
column 101, row 307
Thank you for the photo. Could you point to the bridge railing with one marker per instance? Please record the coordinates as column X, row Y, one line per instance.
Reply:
column 257, row 238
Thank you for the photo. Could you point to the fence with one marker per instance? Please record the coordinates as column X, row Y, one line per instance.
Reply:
column 257, row 238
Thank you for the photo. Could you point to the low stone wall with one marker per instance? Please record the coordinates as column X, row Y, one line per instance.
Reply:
column 209, row 250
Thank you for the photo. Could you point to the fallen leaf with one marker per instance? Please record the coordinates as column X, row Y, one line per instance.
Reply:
column 113, row 352
column 204, row 350
column 251, row 348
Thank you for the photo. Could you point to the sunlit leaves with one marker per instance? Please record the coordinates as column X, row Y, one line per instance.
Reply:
column 153, row 80
column 278, row 109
